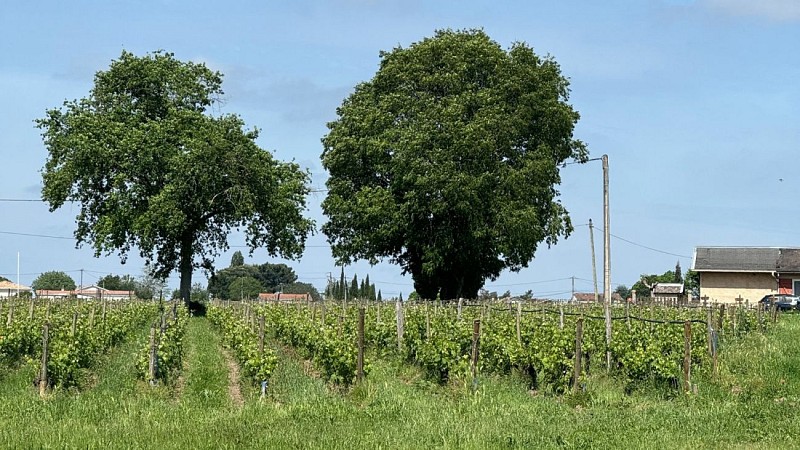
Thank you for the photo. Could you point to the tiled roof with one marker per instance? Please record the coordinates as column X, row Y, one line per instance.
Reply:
column 13, row 286
column 668, row 288
column 271, row 296
column 736, row 259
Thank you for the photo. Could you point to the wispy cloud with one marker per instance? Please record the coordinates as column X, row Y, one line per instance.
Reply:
column 775, row 10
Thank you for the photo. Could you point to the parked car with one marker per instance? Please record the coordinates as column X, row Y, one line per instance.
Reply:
column 782, row 301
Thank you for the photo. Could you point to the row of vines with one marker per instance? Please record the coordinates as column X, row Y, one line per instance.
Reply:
column 536, row 340
column 73, row 335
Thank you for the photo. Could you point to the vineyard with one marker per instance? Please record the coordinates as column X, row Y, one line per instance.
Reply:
column 554, row 345
column 333, row 374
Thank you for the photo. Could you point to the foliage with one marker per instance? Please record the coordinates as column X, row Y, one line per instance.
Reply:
column 79, row 335
column 237, row 259
column 446, row 162
column 692, row 282
column 117, row 282
column 270, row 276
column 244, row 288
column 149, row 285
column 54, row 281
column 151, row 169
column 332, row 345
column 239, row 337
column 170, row 334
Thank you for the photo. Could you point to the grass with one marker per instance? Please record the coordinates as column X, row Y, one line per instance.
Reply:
column 751, row 404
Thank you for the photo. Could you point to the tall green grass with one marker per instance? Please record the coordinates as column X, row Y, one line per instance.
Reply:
column 751, row 403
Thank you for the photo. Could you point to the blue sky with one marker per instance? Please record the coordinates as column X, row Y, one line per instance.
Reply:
column 697, row 104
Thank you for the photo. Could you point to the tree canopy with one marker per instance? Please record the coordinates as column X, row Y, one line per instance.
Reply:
column 117, row 282
column 152, row 169
column 269, row 276
column 244, row 288
column 53, row 281
column 446, row 162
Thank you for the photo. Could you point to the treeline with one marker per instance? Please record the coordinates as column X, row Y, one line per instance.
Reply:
column 245, row 281
column 341, row 289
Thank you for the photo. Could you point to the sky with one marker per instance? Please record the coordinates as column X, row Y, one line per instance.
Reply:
column 696, row 104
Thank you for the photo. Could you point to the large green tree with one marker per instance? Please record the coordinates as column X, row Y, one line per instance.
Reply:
column 54, row 281
column 447, row 162
column 117, row 282
column 151, row 168
column 244, row 288
column 270, row 276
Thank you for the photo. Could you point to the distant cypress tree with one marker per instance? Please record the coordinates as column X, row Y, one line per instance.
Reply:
column 354, row 289
column 380, row 297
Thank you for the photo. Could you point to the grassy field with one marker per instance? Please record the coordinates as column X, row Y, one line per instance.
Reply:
column 752, row 404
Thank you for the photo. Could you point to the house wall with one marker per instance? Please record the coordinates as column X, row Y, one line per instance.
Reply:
column 725, row 287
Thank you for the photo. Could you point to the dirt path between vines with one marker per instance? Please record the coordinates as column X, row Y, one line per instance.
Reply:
column 234, row 379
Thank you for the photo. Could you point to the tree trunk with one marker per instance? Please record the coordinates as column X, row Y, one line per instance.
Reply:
column 185, row 267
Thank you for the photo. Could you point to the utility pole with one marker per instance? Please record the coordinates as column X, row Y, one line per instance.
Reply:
column 573, row 286
column 607, row 262
column 81, row 288
column 594, row 263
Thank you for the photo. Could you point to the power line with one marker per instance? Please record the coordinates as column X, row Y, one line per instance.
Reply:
column 36, row 235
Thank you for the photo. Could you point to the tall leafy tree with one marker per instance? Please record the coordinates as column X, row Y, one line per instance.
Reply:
column 151, row 168
column 447, row 162
column 53, row 280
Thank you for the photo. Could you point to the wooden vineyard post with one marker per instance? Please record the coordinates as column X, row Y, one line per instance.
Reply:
column 45, row 357
column 476, row 341
column 687, row 356
column 322, row 313
column 774, row 313
column 721, row 318
column 104, row 311
column 460, row 303
column 561, row 316
column 710, row 333
column 10, row 314
column 91, row 317
column 153, row 357
column 519, row 314
column 427, row 324
column 47, row 312
column 261, row 335
column 30, row 310
column 400, row 324
column 760, row 312
column 74, row 323
column 360, row 360
column 578, row 354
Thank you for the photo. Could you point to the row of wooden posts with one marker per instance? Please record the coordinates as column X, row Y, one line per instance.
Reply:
column 712, row 334
column 43, row 375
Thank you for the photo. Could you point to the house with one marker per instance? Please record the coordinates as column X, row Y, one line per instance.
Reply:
column 89, row 292
column 267, row 296
column 99, row 292
column 736, row 274
column 668, row 292
column 583, row 297
column 9, row 289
